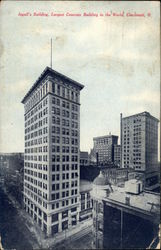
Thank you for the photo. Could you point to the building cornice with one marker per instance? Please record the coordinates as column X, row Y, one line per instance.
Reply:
column 50, row 72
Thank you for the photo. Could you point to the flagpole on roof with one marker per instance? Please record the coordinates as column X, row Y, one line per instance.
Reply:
column 51, row 54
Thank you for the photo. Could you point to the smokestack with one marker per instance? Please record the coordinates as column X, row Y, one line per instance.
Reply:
column 121, row 140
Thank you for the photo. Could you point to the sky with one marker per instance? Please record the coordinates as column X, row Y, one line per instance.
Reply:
column 116, row 58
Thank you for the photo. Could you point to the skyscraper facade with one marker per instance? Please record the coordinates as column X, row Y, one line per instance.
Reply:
column 139, row 141
column 117, row 154
column 104, row 148
column 52, row 148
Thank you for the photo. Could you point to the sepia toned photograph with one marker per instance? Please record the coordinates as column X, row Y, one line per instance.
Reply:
column 79, row 125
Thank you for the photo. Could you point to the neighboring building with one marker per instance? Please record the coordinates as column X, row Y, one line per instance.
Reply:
column 116, row 176
column 52, row 153
column 150, row 179
column 117, row 155
column 85, row 200
column 84, row 158
column 139, row 142
column 123, row 219
column 104, row 148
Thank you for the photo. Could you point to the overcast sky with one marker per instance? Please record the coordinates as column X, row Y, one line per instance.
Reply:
column 116, row 58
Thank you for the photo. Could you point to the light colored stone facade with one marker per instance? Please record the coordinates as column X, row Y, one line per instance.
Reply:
column 52, row 146
column 139, row 135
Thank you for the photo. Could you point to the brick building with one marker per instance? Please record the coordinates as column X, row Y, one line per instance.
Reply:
column 104, row 148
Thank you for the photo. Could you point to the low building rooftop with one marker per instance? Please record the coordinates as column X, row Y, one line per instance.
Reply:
column 142, row 201
column 83, row 154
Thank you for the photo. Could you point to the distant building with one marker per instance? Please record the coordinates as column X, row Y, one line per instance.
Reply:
column 104, row 148
column 124, row 218
column 84, row 158
column 117, row 155
column 139, row 141
column 52, row 153
column 85, row 200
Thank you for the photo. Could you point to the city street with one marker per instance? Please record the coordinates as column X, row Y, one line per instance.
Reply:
column 13, row 232
column 80, row 240
column 16, row 235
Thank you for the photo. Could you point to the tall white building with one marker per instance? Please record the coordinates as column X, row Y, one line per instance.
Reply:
column 139, row 141
column 52, row 146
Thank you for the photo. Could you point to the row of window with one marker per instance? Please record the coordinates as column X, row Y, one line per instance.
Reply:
column 36, row 183
column 44, row 176
column 36, row 125
column 65, row 104
column 38, row 175
column 36, row 150
column 65, row 167
column 34, row 99
column 55, row 120
column 36, row 166
column 36, row 157
column 37, row 133
column 56, row 177
column 55, row 139
column 40, row 213
column 65, row 92
column 36, row 141
column 36, row 190
column 35, row 197
column 65, row 158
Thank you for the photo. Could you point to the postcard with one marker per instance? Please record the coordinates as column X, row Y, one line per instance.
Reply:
column 79, row 124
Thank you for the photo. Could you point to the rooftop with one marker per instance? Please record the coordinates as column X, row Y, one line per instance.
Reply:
column 104, row 136
column 145, row 113
column 142, row 200
column 51, row 72
column 83, row 154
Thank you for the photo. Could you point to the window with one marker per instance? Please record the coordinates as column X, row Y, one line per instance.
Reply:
column 82, row 196
column 45, row 217
column 65, row 225
column 74, row 209
column 82, row 206
column 53, row 87
column 55, row 217
column 65, row 214
column 88, row 204
column 55, row 196
column 58, row 89
column 54, row 229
